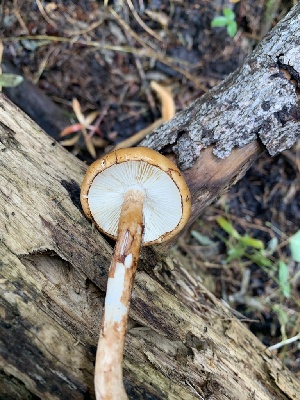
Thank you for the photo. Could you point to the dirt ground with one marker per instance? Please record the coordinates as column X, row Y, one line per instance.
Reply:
column 105, row 56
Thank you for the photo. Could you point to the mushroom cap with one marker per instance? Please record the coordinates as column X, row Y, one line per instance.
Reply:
column 167, row 201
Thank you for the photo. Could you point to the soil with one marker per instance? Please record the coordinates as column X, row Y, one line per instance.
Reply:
column 106, row 56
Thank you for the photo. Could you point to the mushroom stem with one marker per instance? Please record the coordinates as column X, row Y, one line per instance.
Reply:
column 109, row 358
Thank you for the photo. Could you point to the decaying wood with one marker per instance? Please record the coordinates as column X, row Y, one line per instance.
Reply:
column 211, row 176
column 182, row 342
column 260, row 100
column 37, row 105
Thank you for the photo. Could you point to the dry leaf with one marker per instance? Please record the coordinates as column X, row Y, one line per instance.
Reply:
column 70, row 129
column 167, row 101
column 77, row 110
column 89, row 144
column 50, row 7
column 90, row 118
column 159, row 17
column 70, row 142
column 99, row 142
column 1, row 51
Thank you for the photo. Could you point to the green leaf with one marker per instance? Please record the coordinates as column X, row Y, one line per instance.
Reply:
column 219, row 22
column 232, row 28
column 10, row 80
column 251, row 242
column 235, row 253
column 227, row 227
column 284, row 279
column 260, row 260
column 229, row 14
column 282, row 315
column 295, row 246
column 203, row 240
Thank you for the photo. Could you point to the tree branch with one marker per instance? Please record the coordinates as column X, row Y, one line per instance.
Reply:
column 259, row 101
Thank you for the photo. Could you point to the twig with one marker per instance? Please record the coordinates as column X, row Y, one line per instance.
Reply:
column 285, row 342
column 43, row 64
column 153, row 53
column 142, row 23
column 18, row 15
column 271, row 10
column 90, row 28
column 146, row 51
column 98, row 120
column 141, row 73
column 44, row 14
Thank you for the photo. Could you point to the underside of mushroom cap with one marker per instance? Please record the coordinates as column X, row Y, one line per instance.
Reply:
column 166, row 196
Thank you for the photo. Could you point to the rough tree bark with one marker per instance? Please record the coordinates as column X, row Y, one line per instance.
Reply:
column 259, row 101
column 182, row 342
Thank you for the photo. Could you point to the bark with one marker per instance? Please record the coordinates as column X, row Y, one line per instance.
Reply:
column 182, row 342
column 259, row 101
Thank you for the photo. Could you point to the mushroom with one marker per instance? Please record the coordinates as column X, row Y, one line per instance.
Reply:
column 138, row 197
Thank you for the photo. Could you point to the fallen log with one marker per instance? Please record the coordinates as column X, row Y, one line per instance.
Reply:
column 182, row 342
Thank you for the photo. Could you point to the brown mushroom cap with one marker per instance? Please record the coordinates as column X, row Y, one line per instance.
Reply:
column 167, row 198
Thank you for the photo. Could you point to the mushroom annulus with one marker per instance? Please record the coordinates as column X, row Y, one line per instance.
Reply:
column 138, row 197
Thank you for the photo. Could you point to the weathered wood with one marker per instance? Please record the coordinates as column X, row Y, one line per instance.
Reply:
column 211, row 176
column 260, row 100
column 182, row 342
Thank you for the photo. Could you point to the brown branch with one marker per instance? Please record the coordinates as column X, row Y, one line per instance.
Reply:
column 258, row 101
